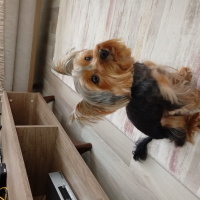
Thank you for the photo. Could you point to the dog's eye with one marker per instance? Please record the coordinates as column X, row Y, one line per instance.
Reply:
column 95, row 79
column 88, row 58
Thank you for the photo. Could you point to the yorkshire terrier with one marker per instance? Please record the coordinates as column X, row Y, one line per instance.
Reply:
column 159, row 101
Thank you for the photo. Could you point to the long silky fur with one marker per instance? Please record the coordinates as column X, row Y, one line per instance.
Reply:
column 146, row 111
column 150, row 96
column 95, row 104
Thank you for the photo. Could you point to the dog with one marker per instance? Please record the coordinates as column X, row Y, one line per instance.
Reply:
column 159, row 101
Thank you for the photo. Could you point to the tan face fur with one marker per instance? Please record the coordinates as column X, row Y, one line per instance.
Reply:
column 113, row 74
column 104, row 83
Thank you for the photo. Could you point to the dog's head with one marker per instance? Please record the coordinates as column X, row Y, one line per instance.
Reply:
column 103, row 77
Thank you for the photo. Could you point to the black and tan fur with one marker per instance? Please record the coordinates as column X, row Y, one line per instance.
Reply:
column 159, row 101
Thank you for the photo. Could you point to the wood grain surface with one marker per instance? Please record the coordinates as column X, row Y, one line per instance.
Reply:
column 17, row 180
column 44, row 148
column 37, row 145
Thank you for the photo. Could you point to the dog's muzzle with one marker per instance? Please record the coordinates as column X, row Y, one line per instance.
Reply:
column 103, row 53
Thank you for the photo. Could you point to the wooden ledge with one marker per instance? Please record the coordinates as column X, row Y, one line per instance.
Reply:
column 81, row 147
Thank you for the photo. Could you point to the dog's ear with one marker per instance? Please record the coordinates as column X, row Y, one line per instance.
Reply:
column 88, row 113
column 65, row 64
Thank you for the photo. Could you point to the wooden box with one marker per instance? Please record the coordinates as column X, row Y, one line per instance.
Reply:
column 34, row 144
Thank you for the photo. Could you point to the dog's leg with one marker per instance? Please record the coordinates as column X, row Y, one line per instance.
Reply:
column 185, row 73
column 174, row 87
column 165, row 86
column 183, row 76
column 182, row 127
column 192, row 99
column 191, row 104
column 177, row 126
column 193, row 126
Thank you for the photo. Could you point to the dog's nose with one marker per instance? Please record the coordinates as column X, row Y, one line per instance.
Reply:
column 103, row 53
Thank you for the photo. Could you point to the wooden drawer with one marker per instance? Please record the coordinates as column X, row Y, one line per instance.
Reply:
column 34, row 144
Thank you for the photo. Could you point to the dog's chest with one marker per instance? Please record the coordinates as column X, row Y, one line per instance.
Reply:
column 145, row 88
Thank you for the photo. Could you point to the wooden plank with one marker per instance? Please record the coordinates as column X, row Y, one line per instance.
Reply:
column 161, row 178
column 68, row 160
column 23, row 107
column 37, row 146
column 65, row 156
column 34, row 44
column 17, row 180
column 119, row 181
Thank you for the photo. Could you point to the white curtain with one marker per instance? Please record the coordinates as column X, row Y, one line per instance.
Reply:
column 19, row 26
column 1, row 44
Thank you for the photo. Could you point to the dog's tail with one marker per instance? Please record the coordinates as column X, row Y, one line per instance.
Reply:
column 175, row 132
column 140, row 152
column 174, row 128
column 178, row 129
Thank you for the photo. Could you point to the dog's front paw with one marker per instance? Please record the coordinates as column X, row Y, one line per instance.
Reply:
column 186, row 73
